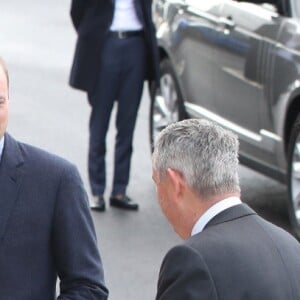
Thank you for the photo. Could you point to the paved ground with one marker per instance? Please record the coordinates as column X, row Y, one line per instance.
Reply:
column 37, row 41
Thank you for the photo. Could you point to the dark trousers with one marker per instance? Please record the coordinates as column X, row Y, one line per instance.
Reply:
column 121, row 78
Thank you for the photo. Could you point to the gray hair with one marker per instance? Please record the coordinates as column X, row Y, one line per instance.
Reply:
column 204, row 153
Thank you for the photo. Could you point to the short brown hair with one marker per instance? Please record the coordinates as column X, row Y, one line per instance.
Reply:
column 3, row 65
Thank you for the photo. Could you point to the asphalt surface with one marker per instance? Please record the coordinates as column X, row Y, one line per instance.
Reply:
column 37, row 41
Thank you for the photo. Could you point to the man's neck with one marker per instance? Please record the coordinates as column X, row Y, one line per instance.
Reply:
column 208, row 208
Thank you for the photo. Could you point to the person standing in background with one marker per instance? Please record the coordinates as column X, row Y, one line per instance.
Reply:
column 116, row 51
column 229, row 251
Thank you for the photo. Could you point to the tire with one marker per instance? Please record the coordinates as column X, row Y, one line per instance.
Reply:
column 294, row 177
column 166, row 102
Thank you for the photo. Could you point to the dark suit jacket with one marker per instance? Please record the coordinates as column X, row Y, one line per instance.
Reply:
column 45, row 229
column 92, row 20
column 238, row 256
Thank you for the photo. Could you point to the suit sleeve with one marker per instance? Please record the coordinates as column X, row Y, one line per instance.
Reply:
column 78, row 8
column 74, row 243
column 184, row 275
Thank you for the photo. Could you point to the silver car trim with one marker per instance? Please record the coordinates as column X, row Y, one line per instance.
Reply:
column 240, row 76
column 271, row 135
column 265, row 138
column 203, row 14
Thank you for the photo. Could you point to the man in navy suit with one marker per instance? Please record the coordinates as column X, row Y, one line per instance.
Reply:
column 46, row 230
column 229, row 251
column 116, row 51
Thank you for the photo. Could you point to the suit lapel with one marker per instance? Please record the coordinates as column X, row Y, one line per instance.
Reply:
column 139, row 10
column 10, row 180
column 234, row 212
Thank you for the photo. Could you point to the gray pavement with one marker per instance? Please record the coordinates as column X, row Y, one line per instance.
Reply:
column 37, row 41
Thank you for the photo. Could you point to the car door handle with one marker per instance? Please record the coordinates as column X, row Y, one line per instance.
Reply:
column 228, row 23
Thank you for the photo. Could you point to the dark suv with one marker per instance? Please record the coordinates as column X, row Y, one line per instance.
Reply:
column 236, row 63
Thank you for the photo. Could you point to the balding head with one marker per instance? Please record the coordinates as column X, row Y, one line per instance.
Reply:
column 4, row 68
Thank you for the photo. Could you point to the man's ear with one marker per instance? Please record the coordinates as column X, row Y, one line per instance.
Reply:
column 177, row 181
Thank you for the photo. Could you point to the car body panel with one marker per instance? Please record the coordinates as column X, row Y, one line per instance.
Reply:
column 237, row 63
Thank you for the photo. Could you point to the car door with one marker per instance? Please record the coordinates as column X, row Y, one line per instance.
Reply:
column 242, row 74
column 194, row 32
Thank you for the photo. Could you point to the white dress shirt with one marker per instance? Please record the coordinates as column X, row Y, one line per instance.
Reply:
column 1, row 146
column 213, row 211
column 125, row 17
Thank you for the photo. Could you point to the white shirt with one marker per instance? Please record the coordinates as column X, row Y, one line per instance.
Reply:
column 213, row 211
column 1, row 146
column 125, row 17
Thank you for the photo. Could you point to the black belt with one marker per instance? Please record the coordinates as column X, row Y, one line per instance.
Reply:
column 125, row 34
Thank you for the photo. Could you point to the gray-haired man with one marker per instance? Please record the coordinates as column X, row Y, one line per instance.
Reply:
column 230, row 252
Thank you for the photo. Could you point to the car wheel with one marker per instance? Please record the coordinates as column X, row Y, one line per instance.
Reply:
column 294, row 177
column 166, row 102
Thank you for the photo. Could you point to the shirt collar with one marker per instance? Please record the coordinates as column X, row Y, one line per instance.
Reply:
column 213, row 211
column 1, row 146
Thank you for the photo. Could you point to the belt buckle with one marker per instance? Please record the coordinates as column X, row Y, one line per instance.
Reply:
column 121, row 35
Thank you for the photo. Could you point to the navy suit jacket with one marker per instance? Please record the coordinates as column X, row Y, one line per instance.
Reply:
column 238, row 256
column 46, row 229
column 92, row 20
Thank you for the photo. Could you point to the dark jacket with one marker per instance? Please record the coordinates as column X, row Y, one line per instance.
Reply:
column 45, row 229
column 238, row 256
column 92, row 20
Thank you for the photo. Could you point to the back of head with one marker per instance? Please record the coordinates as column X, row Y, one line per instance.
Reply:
column 204, row 153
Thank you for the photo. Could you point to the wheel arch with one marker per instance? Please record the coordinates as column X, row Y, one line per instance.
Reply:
column 163, row 54
column 291, row 115
column 292, row 129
